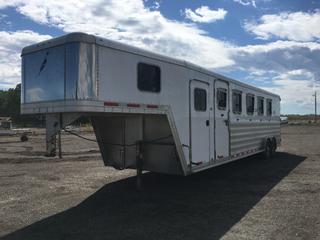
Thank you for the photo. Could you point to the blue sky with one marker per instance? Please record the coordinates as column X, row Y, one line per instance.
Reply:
column 271, row 44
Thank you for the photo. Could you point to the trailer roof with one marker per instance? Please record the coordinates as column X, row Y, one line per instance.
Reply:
column 87, row 38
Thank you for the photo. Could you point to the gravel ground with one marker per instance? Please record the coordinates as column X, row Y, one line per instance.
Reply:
column 78, row 198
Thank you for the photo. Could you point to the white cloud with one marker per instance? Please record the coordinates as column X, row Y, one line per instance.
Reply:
column 298, row 74
column 296, row 89
column 246, row 2
column 129, row 21
column 279, row 56
column 205, row 15
column 296, row 26
column 156, row 5
column 11, row 44
column 291, row 68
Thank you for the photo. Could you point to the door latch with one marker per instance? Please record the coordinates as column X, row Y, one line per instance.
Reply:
column 207, row 122
column 226, row 122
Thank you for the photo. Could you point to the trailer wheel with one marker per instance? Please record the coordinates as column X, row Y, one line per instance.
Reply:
column 268, row 150
column 24, row 137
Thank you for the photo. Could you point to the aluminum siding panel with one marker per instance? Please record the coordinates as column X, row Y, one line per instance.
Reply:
column 246, row 136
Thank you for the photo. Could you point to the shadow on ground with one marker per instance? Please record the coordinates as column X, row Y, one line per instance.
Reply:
column 202, row 206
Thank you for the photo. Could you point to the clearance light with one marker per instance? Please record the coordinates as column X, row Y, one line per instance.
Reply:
column 111, row 104
column 152, row 106
column 133, row 105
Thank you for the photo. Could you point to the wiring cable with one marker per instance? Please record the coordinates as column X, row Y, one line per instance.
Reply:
column 118, row 144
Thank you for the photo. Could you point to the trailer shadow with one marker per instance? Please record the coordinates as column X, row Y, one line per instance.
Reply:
column 202, row 206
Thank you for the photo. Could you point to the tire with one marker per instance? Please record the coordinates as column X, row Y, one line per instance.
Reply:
column 24, row 138
column 268, row 150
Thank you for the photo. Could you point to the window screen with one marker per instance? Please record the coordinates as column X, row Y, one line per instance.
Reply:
column 269, row 107
column 250, row 104
column 200, row 99
column 260, row 106
column 237, row 102
column 148, row 77
column 222, row 98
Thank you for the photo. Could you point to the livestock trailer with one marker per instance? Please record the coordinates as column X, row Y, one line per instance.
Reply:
column 148, row 111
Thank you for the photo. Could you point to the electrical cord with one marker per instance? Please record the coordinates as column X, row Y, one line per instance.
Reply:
column 117, row 144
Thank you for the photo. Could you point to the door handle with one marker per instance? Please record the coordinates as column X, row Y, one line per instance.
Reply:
column 226, row 122
column 207, row 122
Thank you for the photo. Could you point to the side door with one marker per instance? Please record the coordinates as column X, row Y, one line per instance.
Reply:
column 222, row 107
column 199, row 123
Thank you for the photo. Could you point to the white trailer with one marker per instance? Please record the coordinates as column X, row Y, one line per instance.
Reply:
column 148, row 111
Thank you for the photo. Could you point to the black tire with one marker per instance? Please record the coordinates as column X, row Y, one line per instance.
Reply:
column 268, row 150
column 24, row 138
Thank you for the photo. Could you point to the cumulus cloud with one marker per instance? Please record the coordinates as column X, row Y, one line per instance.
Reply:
column 296, row 26
column 246, row 2
column 296, row 89
column 204, row 14
column 156, row 5
column 128, row 21
column 11, row 44
column 279, row 56
column 291, row 68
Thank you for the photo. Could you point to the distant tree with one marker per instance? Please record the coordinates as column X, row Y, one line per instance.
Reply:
column 10, row 107
column 13, row 102
column 3, row 103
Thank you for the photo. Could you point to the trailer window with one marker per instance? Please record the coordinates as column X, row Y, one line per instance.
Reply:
column 250, row 104
column 200, row 99
column 148, row 77
column 222, row 98
column 260, row 106
column 236, row 102
column 269, row 107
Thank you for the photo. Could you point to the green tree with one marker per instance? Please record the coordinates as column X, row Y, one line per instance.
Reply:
column 13, row 103
column 10, row 107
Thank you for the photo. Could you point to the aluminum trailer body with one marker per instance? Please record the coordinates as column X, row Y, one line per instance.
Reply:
column 187, row 118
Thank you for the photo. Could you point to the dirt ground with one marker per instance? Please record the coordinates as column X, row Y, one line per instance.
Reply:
column 78, row 198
